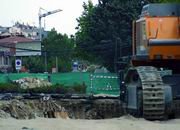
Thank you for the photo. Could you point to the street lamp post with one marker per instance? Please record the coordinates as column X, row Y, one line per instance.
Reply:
column 45, row 57
column 56, row 64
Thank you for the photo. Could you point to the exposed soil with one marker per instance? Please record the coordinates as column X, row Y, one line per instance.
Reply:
column 73, row 114
column 64, row 108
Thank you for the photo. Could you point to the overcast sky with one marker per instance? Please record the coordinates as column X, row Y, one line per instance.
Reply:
column 27, row 11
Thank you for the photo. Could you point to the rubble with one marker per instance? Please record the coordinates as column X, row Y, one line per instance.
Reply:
column 21, row 109
column 18, row 110
column 47, row 107
column 51, row 109
column 32, row 82
column 3, row 114
column 92, row 114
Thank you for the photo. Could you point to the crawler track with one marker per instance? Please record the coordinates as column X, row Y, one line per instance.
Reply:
column 150, row 92
column 153, row 93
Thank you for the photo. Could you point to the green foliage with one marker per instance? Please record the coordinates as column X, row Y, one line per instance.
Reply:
column 82, row 35
column 60, row 46
column 104, row 28
column 76, row 88
column 34, row 64
column 79, row 88
column 57, row 88
column 48, row 89
column 8, row 88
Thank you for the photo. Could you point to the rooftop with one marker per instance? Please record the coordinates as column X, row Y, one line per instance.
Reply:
column 16, row 39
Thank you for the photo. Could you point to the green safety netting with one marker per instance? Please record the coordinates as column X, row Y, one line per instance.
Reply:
column 70, row 78
column 3, row 78
column 104, row 83
column 101, row 83
column 14, row 76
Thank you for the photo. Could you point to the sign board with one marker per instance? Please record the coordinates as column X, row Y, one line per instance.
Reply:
column 18, row 64
column 75, row 66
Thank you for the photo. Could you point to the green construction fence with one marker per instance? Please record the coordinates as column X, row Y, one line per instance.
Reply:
column 101, row 83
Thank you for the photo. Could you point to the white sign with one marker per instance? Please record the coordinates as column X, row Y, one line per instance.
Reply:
column 18, row 64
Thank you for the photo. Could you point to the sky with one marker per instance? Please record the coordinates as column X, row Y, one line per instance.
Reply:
column 26, row 11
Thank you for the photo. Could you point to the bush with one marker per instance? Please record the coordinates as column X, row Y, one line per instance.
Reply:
column 79, row 88
column 8, row 88
column 76, row 88
column 57, row 88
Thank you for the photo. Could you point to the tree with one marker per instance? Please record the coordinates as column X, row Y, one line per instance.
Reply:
column 55, row 46
column 60, row 46
column 34, row 63
column 82, row 37
column 104, row 28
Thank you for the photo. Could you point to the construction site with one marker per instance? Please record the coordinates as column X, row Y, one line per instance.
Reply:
column 94, row 79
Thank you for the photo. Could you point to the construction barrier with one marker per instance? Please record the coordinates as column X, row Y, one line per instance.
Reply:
column 104, row 84
column 101, row 83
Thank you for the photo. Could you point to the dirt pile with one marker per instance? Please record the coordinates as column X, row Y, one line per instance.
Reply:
column 32, row 83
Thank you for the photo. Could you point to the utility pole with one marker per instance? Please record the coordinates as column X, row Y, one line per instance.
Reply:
column 45, row 57
column 115, row 55
column 120, row 47
column 56, row 64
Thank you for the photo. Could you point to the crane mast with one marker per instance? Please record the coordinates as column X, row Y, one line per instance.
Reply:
column 44, row 15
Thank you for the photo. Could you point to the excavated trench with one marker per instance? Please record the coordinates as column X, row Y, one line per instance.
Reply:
column 96, row 109
column 63, row 108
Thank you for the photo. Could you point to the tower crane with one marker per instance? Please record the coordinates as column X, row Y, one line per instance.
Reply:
column 44, row 15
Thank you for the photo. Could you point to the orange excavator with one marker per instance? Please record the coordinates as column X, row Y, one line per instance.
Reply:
column 151, row 85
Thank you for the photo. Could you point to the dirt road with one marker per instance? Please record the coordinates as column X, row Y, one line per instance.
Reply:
column 123, row 123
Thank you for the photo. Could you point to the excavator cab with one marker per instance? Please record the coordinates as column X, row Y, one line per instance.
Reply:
column 156, row 37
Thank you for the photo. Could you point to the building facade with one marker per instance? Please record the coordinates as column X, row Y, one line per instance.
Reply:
column 5, row 63
column 20, row 46
column 15, row 46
